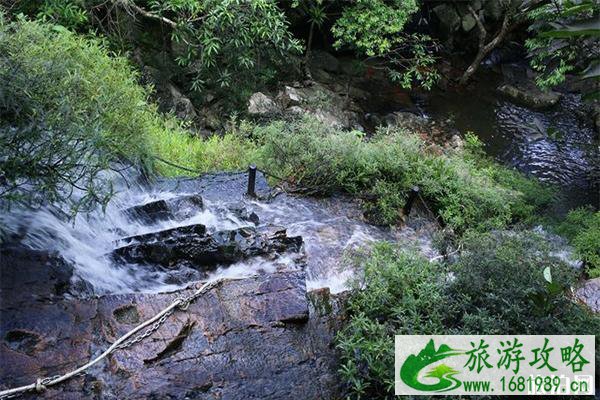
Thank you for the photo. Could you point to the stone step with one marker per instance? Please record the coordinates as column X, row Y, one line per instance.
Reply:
column 177, row 208
column 194, row 247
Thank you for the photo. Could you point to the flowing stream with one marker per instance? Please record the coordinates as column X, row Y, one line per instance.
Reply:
column 556, row 145
column 331, row 229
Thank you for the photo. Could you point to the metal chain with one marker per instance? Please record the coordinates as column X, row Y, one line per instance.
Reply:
column 181, row 303
column 155, row 326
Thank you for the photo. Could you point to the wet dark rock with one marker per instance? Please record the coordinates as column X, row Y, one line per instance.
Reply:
column 261, row 337
column 43, row 338
column 149, row 212
column 589, row 294
column 240, row 211
column 28, row 275
column 193, row 246
column 178, row 208
column 218, row 187
column 530, row 95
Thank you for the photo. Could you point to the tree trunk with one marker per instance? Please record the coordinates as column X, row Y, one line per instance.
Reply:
column 307, row 73
column 485, row 49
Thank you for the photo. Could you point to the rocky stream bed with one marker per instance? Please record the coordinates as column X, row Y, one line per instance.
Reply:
column 69, row 290
column 267, row 335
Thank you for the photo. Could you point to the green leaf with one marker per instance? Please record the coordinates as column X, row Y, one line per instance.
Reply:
column 548, row 274
column 583, row 28
column 592, row 71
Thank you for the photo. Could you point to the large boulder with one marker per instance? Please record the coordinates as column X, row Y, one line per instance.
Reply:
column 530, row 95
column 323, row 60
column 468, row 22
column 328, row 106
column 261, row 105
column 192, row 246
column 291, row 96
column 589, row 294
column 261, row 337
column 406, row 120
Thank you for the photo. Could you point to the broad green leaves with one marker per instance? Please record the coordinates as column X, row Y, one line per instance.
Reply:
column 567, row 38
column 228, row 42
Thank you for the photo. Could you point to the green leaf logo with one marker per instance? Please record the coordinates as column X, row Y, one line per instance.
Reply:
column 413, row 365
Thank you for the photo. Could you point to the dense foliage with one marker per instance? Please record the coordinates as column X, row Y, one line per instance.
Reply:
column 228, row 43
column 235, row 46
column 375, row 29
column 72, row 14
column 582, row 228
column 69, row 112
column 496, row 287
column 467, row 190
column 565, row 40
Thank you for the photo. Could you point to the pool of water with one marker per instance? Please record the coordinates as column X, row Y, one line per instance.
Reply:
column 556, row 145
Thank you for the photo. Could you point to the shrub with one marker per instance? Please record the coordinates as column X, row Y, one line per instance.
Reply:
column 582, row 228
column 467, row 190
column 496, row 287
column 68, row 111
column 499, row 287
column 403, row 294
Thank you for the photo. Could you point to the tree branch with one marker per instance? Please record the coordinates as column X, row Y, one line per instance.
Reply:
column 130, row 5
column 485, row 49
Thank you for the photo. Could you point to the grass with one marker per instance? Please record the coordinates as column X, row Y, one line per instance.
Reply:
column 229, row 152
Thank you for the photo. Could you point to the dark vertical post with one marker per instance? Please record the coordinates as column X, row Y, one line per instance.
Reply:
column 412, row 196
column 251, row 180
